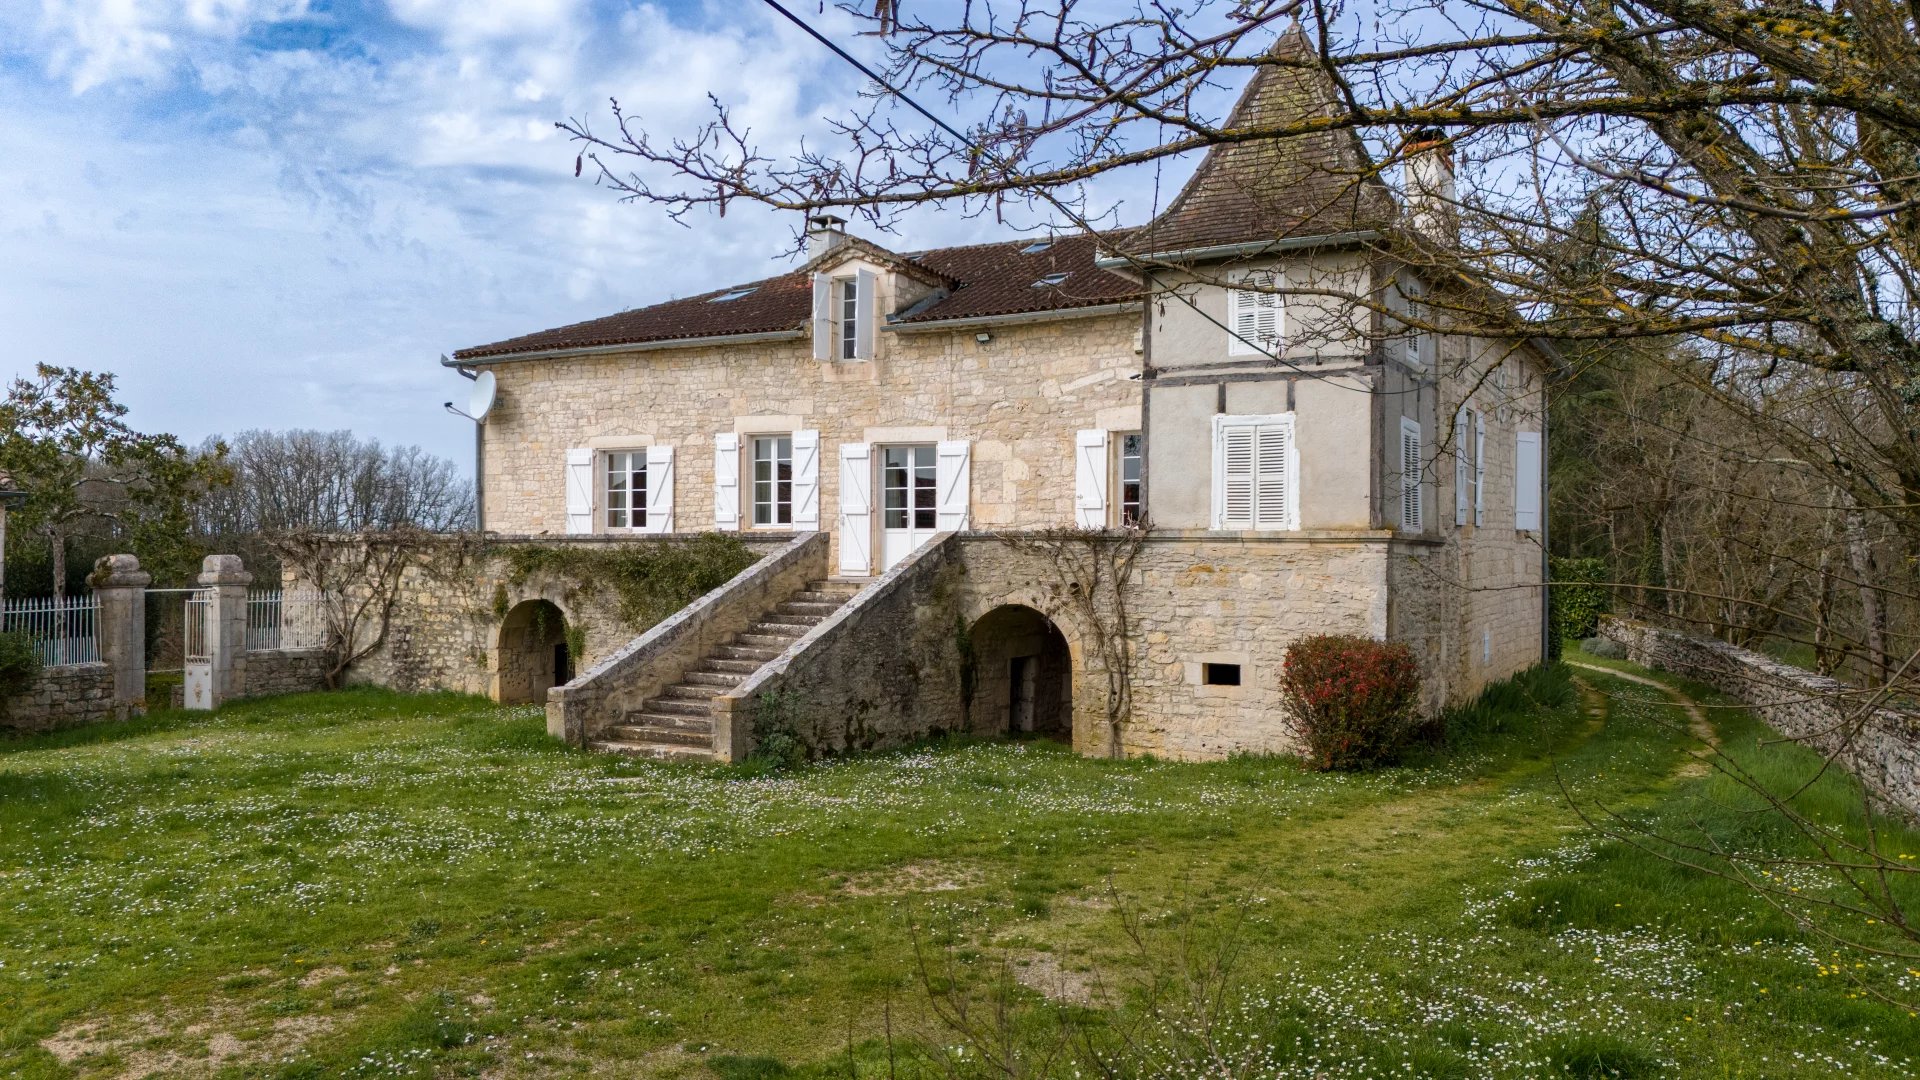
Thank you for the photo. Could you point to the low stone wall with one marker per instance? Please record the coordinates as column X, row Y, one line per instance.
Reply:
column 284, row 671
column 882, row 671
column 66, row 696
column 640, row 669
column 1881, row 748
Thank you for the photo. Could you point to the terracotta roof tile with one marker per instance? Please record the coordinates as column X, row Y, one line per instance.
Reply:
column 1006, row 279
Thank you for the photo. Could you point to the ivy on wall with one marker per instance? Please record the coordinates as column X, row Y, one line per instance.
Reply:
column 19, row 666
column 651, row 581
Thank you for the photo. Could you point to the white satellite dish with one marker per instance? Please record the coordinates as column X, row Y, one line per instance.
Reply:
column 483, row 394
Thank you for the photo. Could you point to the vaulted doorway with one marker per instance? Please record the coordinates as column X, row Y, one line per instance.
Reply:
column 533, row 653
column 1022, row 675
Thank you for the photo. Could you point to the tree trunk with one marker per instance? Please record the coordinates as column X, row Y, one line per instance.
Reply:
column 57, row 542
column 1872, row 612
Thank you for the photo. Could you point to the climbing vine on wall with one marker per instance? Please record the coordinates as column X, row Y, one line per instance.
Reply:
column 1092, row 572
column 650, row 580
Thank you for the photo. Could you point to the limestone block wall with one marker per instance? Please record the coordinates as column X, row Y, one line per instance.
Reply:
column 65, row 696
column 283, row 671
column 640, row 669
column 445, row 630
column 1881, row 747
column 1018, row 398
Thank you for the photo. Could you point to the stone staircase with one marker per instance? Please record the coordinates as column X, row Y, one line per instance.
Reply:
column 678, row 724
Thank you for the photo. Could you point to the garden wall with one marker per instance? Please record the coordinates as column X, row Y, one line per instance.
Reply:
column 64, row 696
column 1881, row 747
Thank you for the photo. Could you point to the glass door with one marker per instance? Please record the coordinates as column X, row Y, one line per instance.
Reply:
column 910, row 507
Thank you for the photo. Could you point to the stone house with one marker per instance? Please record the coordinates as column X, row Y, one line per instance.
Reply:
column 1232, row 374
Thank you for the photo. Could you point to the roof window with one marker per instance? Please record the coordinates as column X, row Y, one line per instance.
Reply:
column 734, row 294
column 1052, row 280
column 1036, row 247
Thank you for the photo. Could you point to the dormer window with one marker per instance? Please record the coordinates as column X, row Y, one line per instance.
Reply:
column 1051, row 280
column 734, row 294
column 849, row 291
column 1036, row 247
column 844, row 308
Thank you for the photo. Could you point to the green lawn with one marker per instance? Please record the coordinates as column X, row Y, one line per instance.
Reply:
column 365, row 884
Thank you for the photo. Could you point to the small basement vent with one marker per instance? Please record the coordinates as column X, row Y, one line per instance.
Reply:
column 1220, row 674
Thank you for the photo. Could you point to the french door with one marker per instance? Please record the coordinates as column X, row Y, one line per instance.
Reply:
column 910, row 500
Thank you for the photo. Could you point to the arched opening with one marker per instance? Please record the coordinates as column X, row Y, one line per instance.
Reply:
column 533, row 653
column 1022, row 675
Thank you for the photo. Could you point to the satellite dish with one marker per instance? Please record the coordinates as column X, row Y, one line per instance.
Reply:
column 483, row 393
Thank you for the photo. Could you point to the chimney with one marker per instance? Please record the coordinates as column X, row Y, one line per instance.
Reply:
column 1431, row 195
column 824, row 233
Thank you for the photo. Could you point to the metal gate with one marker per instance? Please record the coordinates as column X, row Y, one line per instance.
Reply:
column 198, row 651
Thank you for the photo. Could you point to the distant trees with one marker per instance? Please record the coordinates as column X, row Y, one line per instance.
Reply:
column 332, row 481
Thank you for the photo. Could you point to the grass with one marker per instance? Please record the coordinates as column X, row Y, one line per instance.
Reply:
column 368, row 884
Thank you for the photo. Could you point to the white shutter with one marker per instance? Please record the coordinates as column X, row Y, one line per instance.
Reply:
column 1479, row 467
column 869, row 306
column 1462, row 480
column 1090, row 479
column 806, row 481
column 1526, row 481
column 1272, row 482
column 659, row 489
column 1412, row 507
column 856, row 509
column 1255, row 315
column 1233, row 465
column 726, row 481
column 822, row 317
column 953, row 482
column 579, row 479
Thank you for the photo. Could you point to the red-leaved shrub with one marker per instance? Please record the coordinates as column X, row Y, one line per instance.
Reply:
column 1352, row 700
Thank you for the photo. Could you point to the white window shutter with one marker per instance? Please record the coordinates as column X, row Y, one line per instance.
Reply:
column 856, row 509
column 1526, row 481
column 579, row 480
column 823, row 337
column 953, row 484
column 1240, row 318
column 659, row 489
column 1272, row 480
column 1233, row 455
column 1267, row 313
column 1479, row 467
column 1462, row 480
column 1090, row 479
column 726, row 481
column 869, row 304
column 806, row 481
column 1412, row 507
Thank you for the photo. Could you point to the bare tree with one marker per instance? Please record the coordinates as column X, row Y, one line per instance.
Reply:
column 331, row 481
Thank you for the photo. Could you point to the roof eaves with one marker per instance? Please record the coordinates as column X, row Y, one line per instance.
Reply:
column 469, row 358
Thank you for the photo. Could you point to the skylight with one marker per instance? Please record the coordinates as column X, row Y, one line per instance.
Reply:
column 1051, row 279
column 1036, row 247
column 734, row 294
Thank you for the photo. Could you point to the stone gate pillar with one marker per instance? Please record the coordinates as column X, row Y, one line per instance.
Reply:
column 120, row 588
column 226, row 579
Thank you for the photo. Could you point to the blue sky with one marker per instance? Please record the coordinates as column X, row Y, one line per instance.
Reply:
column 279, row 213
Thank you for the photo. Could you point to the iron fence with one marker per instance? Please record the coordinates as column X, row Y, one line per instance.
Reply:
column 64, row 631
column 278, row 619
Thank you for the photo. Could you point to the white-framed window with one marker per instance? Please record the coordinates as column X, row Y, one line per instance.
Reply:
column 772, row 481
column 1255, row 314
column 1256, row 473
column 1413, row 510
column 1469, row 465
column 623, row 490
column 844, row 310
column 1129, row 460
column 847, row 313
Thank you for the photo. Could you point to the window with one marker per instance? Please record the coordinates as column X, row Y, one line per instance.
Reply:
column 1255, row 316
column 1051, row 280
column 1220, row 674
column 908, row 481
column 1412, row 508
column 1469, row 465
column 1131, row 448
column 773, row 480
column 1036, row 247
column 626, row 491
column 1255, row 473
column 734, row 294
column 849, row 289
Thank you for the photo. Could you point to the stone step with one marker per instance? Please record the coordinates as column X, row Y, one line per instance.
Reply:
column 816, row 596
column 815, row 609
column 640, row 727
column 755, row 639
column 660, row 722
column 690, row 690
column 656, row 751
column 678, row 706
column 781, row 620
column 738, row 660
column 720, row 679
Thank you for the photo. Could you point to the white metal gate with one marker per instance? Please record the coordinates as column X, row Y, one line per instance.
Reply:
column 199, row 651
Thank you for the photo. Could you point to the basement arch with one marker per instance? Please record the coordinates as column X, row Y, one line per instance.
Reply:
column 533, row 655
column 1022, row 675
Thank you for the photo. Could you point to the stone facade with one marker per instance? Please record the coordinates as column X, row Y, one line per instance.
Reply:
column 1881, row 747
column 271, row 672
column 68, row 695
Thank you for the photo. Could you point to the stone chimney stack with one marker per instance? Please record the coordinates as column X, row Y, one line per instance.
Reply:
column 824, row 233
column 1432, row 198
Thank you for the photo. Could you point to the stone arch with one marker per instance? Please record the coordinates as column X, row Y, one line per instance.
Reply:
column 533, row 656
column 1022, row 675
